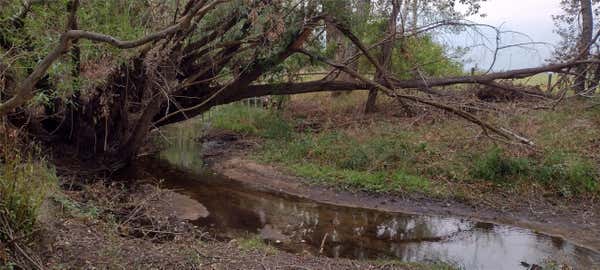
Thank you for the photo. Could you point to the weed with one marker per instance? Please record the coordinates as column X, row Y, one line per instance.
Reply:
column 254, row 243
column 74, row 208
column 417, row 266
column 24, row 184
column 566, row 174
column 411, row 183
column 496, row 166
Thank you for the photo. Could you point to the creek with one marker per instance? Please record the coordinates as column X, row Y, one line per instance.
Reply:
column 301, row 226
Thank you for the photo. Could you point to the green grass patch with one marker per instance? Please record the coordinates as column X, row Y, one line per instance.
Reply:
column 380, row 164
column 496, row 166
column 254, row 243
column 362, row 180
column 251, row 121
column 76, row 209
column 566, row 174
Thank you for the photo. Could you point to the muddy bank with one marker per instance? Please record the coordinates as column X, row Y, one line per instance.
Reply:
column 105, row 226
column 571, row 220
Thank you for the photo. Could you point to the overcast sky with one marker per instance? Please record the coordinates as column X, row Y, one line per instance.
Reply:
column 531, row 17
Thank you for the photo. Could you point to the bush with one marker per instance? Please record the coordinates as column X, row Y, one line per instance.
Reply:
column 568, row 175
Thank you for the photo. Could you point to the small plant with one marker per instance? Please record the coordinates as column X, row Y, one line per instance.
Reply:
column 568, row 175
column 416, row 265
column 254, row 243
column 496, row 166
column 25, row 182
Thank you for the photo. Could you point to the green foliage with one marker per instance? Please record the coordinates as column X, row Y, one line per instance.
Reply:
column 424, row 52
column 24, row 184
column 566, row 174
column 251, row 121
column 361, row 180
column 254, row 243
column 47, row 20
column 498, row 167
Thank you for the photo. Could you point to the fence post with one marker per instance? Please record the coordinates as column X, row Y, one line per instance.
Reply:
column 549, row 82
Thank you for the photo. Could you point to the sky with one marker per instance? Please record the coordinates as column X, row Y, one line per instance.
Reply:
column 530, row 17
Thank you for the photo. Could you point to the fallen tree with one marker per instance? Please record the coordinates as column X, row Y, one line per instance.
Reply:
column 197, row 63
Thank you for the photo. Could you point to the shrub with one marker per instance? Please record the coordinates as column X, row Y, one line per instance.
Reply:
column 568, row 175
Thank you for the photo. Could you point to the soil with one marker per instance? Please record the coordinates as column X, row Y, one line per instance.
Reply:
column 576, row 221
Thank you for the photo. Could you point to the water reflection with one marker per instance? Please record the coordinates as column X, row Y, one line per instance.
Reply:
column 300, row 225
column 182, row 151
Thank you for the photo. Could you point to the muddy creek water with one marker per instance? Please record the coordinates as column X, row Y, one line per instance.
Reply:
column 304, row 226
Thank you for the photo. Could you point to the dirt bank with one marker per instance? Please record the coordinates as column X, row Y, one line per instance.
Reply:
column 114, row 226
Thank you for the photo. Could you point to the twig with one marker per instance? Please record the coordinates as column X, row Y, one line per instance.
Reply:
column 323, row 243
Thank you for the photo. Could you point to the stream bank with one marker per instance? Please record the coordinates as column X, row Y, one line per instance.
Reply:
column 245, row 197
column 569, row 220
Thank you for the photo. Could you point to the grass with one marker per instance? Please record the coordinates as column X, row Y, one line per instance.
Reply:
column 567, row 174
column 25, row 182
column 387, row 154
column 251, row 121
column 254, row 243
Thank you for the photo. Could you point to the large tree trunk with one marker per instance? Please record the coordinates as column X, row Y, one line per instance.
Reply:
column 587, row 28
column 385, row 58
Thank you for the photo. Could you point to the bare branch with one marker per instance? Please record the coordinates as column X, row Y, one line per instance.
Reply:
column 391, row 93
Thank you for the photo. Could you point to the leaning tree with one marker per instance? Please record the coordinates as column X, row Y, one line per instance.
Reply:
column 210, row 52
column 575, row 25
